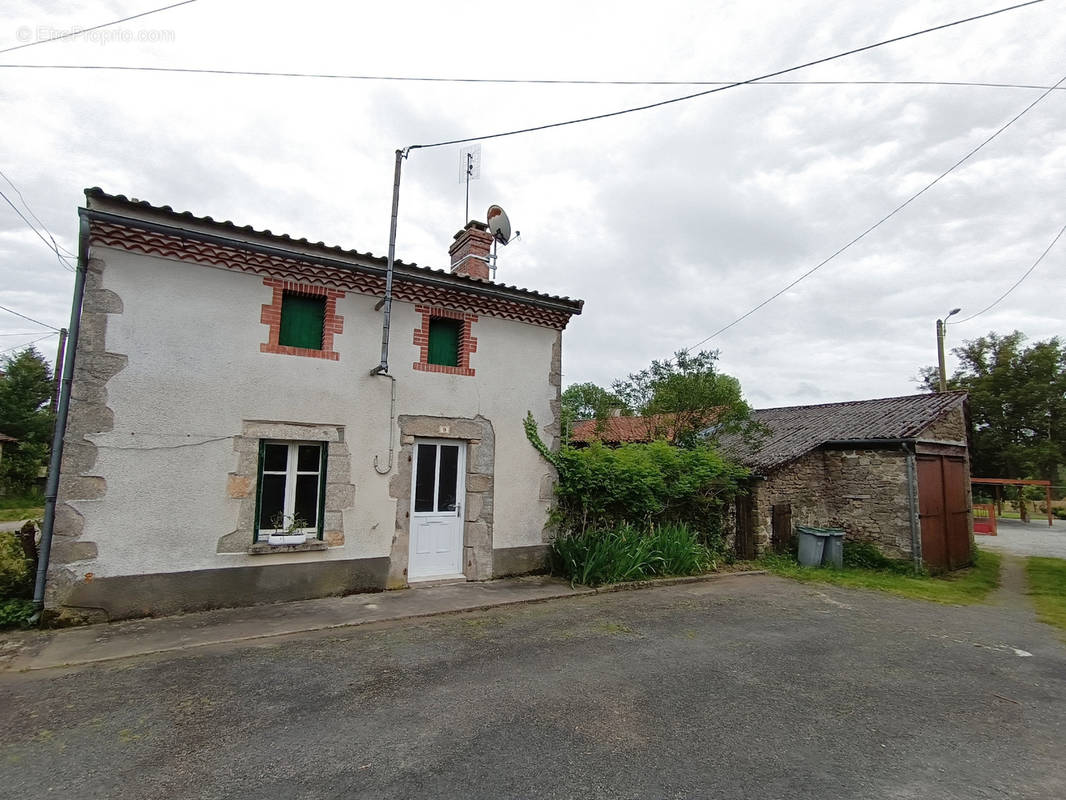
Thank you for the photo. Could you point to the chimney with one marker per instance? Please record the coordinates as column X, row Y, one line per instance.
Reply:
column 470, row 250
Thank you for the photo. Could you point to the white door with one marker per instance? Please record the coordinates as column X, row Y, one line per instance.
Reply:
column 437, row 492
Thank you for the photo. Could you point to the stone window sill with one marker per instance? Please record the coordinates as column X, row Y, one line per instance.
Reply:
column 262, row 548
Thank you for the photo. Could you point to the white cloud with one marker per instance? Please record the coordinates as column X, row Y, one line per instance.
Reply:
column 669, row 223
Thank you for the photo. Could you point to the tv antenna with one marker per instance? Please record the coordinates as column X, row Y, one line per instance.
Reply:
column 469, row 170
column 500, row 228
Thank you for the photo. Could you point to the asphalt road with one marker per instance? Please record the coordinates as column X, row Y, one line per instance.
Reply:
column 749, row 687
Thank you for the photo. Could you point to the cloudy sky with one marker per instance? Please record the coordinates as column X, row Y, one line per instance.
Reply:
column 670, row 223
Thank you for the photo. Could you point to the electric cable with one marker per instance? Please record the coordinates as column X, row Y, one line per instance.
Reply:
column 28, row 344
column 81, row 31
column 56, row 245
column 883, row 219
column 47, row 244
column 29, row 319
column 694, row 95
column 508, row 81
column 1017, row 283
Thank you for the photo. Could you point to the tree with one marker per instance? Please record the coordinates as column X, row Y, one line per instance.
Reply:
column 25, row 390
column 687, row 400
column 1017, row 404
column 589, row 401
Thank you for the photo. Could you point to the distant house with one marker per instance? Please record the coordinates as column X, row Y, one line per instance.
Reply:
column 227, row 391
column 618, row 430
column 894, row 472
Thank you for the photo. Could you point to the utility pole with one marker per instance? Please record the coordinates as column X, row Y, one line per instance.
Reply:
column 57, row 377
column 941, row 325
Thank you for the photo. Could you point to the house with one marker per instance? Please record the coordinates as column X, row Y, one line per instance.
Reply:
column 894, row 472
column 617, row 430
column 227, row 390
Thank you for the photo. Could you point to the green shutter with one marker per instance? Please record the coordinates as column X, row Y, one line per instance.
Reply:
column 444, row 342
column 302, row 319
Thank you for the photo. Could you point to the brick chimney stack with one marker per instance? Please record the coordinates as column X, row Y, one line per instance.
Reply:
column 470, row 250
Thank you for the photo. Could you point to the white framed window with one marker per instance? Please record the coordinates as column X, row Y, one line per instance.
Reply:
column 291, row 489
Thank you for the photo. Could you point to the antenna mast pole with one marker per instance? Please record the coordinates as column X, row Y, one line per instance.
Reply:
column 469, row 171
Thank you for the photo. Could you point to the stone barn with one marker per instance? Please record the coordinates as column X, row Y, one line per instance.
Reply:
column 894, row 472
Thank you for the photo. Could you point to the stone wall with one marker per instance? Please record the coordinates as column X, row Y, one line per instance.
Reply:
column 868, row 497
column 862, row 491
column 801, row 483
column 949, row 427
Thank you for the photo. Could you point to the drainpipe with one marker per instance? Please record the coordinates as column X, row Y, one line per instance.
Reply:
column 392, row 427
column 383, row 367
column 52, row 486
column 912, row 502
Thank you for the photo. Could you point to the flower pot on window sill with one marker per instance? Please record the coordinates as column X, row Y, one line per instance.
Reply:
column 286, row 538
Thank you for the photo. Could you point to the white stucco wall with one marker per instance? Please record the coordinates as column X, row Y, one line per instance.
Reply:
column 195, row 372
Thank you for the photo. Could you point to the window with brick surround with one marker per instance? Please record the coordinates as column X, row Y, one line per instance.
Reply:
column 302, row 319
column 445, row 341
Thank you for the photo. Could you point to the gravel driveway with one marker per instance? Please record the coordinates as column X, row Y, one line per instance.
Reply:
column 1033, row 538
column 747, row 687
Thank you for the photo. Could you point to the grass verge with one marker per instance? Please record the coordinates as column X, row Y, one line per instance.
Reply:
column 1047, row 587
column 19, row 514
column 961, row 587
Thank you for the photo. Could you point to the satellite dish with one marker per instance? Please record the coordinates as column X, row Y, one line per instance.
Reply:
column 499, row 224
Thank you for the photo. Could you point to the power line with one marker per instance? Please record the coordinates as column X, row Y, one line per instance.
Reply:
column 1017, row 283
column 883, row 219
column 507, row 81
column 29, row 319
column 55, row 245
column 47, row 244
column 694, row 95
column 80, row 31
column 28, row 344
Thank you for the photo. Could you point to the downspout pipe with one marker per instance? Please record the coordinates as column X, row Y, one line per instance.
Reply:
column 912, row 503
column 392, row 428
column 51, row 489
column 383, row 367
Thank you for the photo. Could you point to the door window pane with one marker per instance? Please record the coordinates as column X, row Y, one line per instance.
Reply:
column 271, row 500
column 427, row 463
column 306, row 505
column 275, row 457
column 449, row 468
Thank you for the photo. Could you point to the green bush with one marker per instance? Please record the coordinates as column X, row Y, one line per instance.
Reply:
column 15, row 612
column 15, row 574
column 641, row 485
column 626, row 553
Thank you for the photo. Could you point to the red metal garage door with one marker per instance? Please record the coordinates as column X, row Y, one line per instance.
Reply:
column 944, row 511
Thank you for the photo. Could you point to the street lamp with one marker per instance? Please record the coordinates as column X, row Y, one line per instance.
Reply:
column 940, row 325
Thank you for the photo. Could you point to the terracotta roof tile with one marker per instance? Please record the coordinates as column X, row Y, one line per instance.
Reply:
column 621, row 430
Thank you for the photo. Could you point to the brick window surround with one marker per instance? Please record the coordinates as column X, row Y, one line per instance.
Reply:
column 467, row 342
column 331, row 323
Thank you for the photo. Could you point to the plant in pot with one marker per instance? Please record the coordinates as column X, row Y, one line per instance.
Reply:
column 293, row 531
